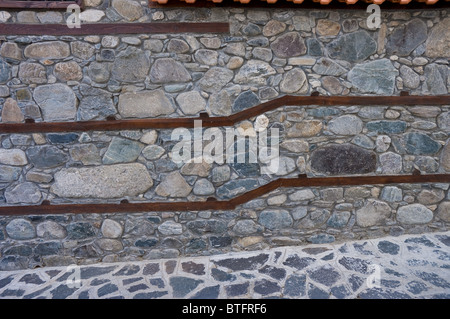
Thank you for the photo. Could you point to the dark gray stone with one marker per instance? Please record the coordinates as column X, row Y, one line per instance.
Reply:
column 352, row 47
column 98, row 282
column 5, row 71
column 62, row 292
column 12, row 293
column 360, row 249
column 220, row 275
column 138, row 287
column 107, row 55
column 297, row 262
column 87, row 251
column 355, row 282
column 338, row 219
column 36, row 293
column 321, row 239
column 436, row 78
column 406, row 37
column 13, row 263
column 388, row 248
column 249, row 263
column 266, row 287
column 208, row 293
column 236, row 187
column 50, row 248
column 274, row 272
column 131, row 65
column 325, row 275
column 95, row 104
column 167, row 70
column 415, row 143
column 150, row 269
column 374, row 77
column 323, row 112
column 64, row 138
column 122, row 150
column 444, row 239
column 340, row 292
column 46, row 156
column 295, row 286
column 222, row 241
column 5, row 281
column 80, row 230
column 354, row 264
column 182, row 285
column 393, row 127
column 106, row 290
column 314, row 47
column 244, row 101
column 193, row 268
column 343, row 159
column 196, row 245
column 288, row 45
column 390, row 283
column 207, row 226
column 146, row 242
column 275, row 219
column 378, row 293
column 251, row 29
column 420, row 240
column 433, row 278
column 26, row 192
column 127, row 270
column 21, row 250
column 317, row 293
column 416, row 287
column 157, row 282
column 150, row 295
column 325, row 66
column 89, row 272
column 237, row 290
column 20, row 229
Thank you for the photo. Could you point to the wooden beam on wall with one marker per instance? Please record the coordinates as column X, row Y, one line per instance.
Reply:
column 114, row 28
column 219, row 121
column 212, row 204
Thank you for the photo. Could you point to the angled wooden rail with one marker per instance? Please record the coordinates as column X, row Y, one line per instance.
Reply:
column 167, row 123
column 114, row 28
column 212, row 203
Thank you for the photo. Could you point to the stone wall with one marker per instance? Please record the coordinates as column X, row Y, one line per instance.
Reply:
column 268, row 54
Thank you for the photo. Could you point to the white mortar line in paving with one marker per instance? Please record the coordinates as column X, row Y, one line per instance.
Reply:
column 408, row 266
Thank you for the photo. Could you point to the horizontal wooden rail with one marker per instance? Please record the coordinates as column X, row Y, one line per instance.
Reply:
column 114, row 28
column 212, row 203
column 51, row 4
column 167, row 123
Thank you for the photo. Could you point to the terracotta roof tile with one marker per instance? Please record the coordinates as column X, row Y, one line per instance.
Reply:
column 322, row 2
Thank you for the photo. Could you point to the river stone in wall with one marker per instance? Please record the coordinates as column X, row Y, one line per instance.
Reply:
column 131, row 65
column 144, row 104
column 343, row 159
column 406, row 38
column 352, row 47
column 109, row 181
column 57, row 102
column 438, row 42
column 374, row 77
column 47, row 50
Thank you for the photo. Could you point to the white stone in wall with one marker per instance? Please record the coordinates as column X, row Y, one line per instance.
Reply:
column 108, row 181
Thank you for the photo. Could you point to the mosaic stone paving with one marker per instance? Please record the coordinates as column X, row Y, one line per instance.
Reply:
column 409, row 266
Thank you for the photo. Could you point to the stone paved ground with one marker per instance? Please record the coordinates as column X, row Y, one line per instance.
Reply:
column 409, row 266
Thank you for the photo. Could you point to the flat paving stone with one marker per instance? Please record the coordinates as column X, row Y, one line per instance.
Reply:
column 402, row 267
